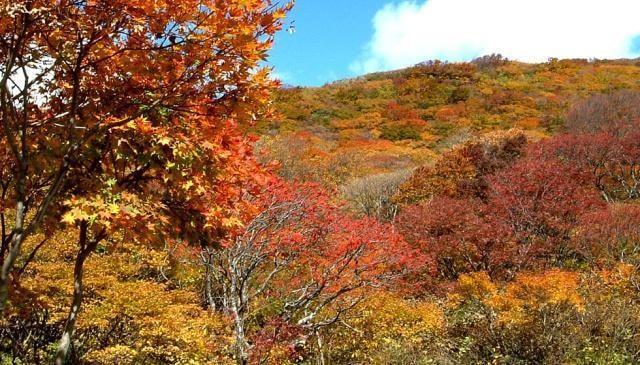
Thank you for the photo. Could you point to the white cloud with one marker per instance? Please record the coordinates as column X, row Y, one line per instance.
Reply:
column 526, row 30
column 284, row 77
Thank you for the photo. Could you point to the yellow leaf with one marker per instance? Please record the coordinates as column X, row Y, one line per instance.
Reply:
column 114, row 208
column 69, row 218
column 165, row 141
column 231, row 222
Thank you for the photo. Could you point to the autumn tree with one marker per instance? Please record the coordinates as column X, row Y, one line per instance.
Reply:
column 122, row 114
column 300, row 253
column 462, row 171
column 459, row 235
column 532, row 319
column 616, row 113
column 525, row 218
column 141, row 306
column 299, row 156
column 541, row 202
column 386, row 329
column 611, row 159
column 490, row 62
column 610, row 235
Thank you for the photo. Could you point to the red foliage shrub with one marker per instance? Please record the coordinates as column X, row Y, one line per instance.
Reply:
column 541, row 202
column 395, row 111
column 525, row 220
column 456, row 235
column 613, row 161
column 610, row 235
column 462, row 171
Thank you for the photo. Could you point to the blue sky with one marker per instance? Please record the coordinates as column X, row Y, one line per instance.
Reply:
column 337, row 39
column 330, row 35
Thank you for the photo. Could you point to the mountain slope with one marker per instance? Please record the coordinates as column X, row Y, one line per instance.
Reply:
column 396, row 120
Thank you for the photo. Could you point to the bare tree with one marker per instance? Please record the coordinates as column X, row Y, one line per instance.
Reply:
column 371, row 195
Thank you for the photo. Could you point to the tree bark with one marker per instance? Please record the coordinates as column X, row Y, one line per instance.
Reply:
column 207, row 258
column 321, row 360
column 238, row 312
column 242, row 353
column 14, row 252
column 86, row 247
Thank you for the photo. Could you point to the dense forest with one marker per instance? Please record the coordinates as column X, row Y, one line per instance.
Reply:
column 163, row 200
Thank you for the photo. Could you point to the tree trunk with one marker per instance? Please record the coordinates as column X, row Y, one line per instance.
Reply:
column 208, row 290
column 208, row 280
column 321, row 360
column 242, row 353
column 20, row 232
column 14, row 252
column 86, row 247
column 237, row 310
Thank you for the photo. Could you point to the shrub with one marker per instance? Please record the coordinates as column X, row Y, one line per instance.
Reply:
column 396, row 112
column 612, row 160
column 456, row 235
column 461, row 171
column 616, row 113
column 528, row 321
column 610, row 235
column 489, row 62
column 459, row 94
column 386, row 329
column 371, row 195
column 399, row 132
column 542, row 202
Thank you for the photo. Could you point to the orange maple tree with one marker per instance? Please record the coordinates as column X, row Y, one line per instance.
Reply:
column 122, row 114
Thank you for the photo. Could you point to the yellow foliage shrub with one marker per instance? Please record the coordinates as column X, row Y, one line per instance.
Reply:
column 535, row 292
column 382, row 326
column 529, row 123
column 519, row 301
column 149, row 322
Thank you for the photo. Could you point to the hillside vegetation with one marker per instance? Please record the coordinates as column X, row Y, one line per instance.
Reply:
column 164, row 201
column 516, row 187
column 389, row 121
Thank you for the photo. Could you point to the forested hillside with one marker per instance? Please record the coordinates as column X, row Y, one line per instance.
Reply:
column 163, row 200
column 402, row 119
column 515, row 186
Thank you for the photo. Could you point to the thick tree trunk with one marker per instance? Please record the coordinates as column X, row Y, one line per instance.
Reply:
column 242, row 352
column 86, row 247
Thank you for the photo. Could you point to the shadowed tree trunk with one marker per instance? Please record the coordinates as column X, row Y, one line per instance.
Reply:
column 14, row 252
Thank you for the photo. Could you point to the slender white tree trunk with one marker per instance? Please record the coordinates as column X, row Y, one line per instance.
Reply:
column 321, row 360
column 237, row 310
